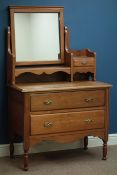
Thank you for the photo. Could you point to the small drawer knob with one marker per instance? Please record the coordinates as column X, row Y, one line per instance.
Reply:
column 88, row 120
column 88, row 100
column 48, row 124
column 48, row 102
column 84, row 62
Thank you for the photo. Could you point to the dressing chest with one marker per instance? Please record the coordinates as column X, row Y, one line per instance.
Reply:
column 54, row 96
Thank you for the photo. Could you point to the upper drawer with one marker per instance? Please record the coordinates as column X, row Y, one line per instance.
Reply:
column 84, row 61
column 65, row 100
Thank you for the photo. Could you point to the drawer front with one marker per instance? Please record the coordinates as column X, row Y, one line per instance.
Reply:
column 65, row 100
column 64, row 122
column 84, row 61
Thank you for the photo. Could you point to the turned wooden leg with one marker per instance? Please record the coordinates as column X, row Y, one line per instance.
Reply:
column 25, row 160
column 11, row 149
column 85, row 142
column 104, row 150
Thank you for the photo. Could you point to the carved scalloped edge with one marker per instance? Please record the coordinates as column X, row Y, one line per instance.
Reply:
column 64, row 138
column 85, row 72
column 41, row 73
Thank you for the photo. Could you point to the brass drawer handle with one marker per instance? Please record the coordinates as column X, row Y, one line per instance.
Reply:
column 88, row 100
column 88, row 120
column 48, row 124
column 48, row 102
column 84, row 62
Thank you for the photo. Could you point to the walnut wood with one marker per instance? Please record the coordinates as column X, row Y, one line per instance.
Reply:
column 16, row 117
column 63, row 111
column 66, row 137
column 65, row 100
column 26, row 133
column 85, row 142
column 60, row 86
column 9, row 40
column 75, row 121
column 28, row 63
column 76, row 57
column 85, row 70
column 106, row 127
column 66, row 110
column 107, row 116
column 84, row 52
column 33, row 124
column 25, row 160
column 10, row 62
column 104, row 151
column 83, row 61
column 41, row 70
column 11, row 149
column 68, row 56
column 36, row 9
column 66, row 39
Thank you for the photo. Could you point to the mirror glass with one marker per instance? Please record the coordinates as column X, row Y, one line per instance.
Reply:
column 37, row 36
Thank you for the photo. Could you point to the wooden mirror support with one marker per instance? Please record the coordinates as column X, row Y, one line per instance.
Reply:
column 70, row 61
column 60, row 100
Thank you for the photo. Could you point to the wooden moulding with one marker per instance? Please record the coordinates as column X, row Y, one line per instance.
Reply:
column 73, row 55
column 40, row 70
column 68, row 137
column 15, row 69
column 68, row 54
column 84, row 52
column 10, row 62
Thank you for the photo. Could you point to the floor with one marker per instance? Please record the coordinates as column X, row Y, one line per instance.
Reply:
column 70, row 162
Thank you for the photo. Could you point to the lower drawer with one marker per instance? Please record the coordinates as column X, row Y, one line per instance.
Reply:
column 64, row 122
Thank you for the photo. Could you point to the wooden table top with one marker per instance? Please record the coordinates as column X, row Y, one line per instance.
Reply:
column 60, row 86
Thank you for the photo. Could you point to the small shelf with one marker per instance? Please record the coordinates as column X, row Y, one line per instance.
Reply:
column 42, row 70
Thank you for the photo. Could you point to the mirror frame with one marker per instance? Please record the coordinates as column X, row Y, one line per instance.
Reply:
column 36, row 9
